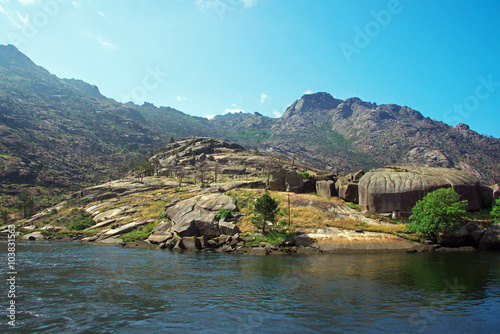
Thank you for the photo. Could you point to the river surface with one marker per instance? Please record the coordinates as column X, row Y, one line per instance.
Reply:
column 67, row 287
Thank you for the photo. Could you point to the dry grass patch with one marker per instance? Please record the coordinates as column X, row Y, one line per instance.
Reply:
column 353, row 224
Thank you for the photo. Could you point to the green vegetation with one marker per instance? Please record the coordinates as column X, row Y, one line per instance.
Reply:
column 353, row 206
column 224, row 214
column 495, row 212
column 304, row 175
column 438, row 213
column 4, row 215
column 144, row 168
column 26, row 203
column 273, row 238
column 140, row 234
column 254, row 135
column 79, row 220
column 266, row 208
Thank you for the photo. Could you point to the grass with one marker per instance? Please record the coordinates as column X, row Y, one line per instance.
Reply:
column 140, row 234
column 272, row 238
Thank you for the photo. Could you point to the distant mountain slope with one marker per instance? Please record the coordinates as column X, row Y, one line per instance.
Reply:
column 59, row 132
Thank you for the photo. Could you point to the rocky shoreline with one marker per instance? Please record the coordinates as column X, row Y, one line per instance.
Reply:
column 334, row 241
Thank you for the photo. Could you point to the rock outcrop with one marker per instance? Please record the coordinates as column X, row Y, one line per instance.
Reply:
column 399, row 188
column 197, row 216
column 285, row 180
column 326, row 188
column 491, row 238
column 496, row 191
column 161, row 233
column 33, row 236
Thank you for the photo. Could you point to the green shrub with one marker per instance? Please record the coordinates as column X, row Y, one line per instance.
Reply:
column 224, row 214
column 79, row 220
column 495, row 212
column 438, row 213
column 304, row 175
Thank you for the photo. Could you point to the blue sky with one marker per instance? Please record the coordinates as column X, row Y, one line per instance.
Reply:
column 209, row 57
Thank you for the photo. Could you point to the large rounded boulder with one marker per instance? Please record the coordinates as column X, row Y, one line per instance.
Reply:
column 197, row 216
column 399, row 188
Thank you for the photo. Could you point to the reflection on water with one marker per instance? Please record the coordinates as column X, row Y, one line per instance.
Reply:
column 78, row 288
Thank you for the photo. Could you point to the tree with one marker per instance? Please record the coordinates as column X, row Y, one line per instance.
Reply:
column 172, row 140
column 438, row 213
column 123, row 171
column 144, row 168
column 26, row 203
column 156, row 166
column 267, row 208
column 4, row 215
column 495, row 212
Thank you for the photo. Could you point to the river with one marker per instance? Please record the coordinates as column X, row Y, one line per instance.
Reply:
column 69, row 287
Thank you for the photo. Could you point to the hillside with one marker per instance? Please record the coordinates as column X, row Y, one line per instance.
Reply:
column 63, row 133
column 59, row 132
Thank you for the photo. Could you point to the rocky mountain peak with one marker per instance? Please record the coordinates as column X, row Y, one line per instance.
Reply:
column 462, row 127
column 312, row 102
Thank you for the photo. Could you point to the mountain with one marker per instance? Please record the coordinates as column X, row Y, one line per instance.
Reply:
column 61, row 133
column 351, row 134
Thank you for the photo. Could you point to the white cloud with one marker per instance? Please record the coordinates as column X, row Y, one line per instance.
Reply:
column 102, row 14
column 27, row 2
column 107, row 45
column 76, row 3
column 209, row 116
column 277, row 114
column 307, row 92
column 2, row 10
column 23, row 19
column 181, row 98
column 264, row 97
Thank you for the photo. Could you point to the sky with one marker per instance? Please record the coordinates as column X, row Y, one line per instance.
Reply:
column 210, row 57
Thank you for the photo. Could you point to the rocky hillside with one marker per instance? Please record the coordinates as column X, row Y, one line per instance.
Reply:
column 58, row 132
column 62, row 133
column 203, row 198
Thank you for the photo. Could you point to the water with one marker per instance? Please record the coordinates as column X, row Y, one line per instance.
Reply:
column 67, row 287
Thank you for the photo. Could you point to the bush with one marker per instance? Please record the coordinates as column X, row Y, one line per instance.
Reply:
column 80, row 220
column 495, row 212
column 304, row 175
column 224, row 214
column 438, row 213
